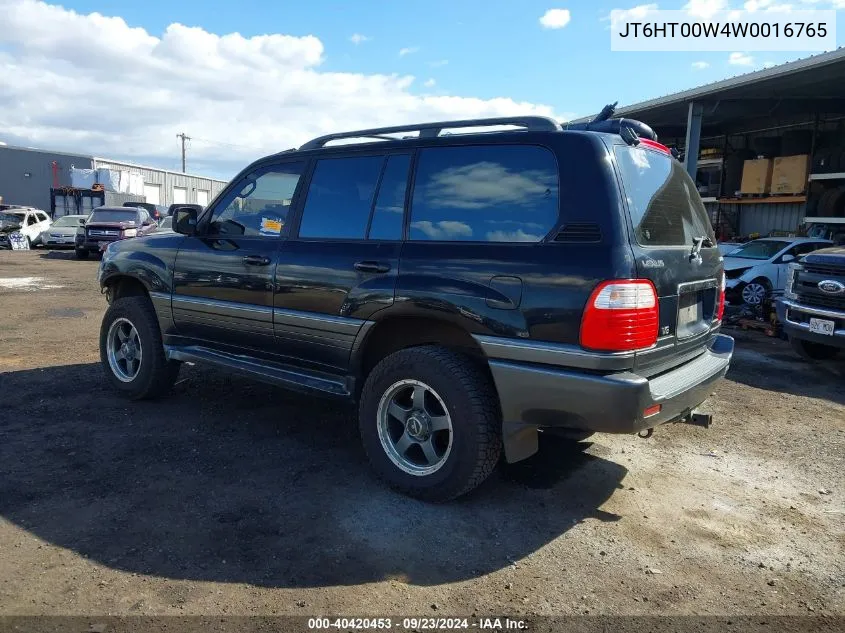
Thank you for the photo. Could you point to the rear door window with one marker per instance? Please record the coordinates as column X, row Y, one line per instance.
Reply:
column 663, row 202
column 485, row 193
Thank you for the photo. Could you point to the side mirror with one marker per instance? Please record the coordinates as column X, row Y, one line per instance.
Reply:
column 185, row 220
column 787, row 258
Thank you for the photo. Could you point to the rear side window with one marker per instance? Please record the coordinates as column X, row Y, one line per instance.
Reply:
column 664, row 204
column 340, row 197
column 487, row 193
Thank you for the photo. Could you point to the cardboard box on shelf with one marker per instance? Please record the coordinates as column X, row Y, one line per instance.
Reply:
column 756, row 176
column 789, row 174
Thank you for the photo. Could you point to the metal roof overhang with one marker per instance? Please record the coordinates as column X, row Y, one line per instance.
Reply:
column 815, row 85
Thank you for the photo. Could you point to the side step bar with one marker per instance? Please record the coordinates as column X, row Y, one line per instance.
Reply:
column 296, row 379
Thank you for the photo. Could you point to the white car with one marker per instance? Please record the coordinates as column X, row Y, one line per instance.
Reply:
column 62, row 232
column 29, row 222
column 757, row 268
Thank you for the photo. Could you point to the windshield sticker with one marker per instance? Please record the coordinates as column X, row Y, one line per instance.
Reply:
column 269, row 226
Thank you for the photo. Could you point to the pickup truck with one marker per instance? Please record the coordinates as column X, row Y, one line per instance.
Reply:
column 812, row 309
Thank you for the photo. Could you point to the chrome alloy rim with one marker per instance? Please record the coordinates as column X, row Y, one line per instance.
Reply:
column 753, row 294
column 414, row 427
column 123, row 349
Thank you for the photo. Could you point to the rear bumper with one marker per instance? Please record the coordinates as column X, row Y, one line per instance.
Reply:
column 545, row 396
column 794, row 318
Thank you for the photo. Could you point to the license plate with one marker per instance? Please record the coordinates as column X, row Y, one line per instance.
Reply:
column 689, row 313
column 821, row 326
column 104, row 245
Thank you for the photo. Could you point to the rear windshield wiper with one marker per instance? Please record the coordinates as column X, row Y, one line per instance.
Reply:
column 697, row 243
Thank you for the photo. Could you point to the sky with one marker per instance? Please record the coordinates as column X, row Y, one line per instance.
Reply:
column 252, row 77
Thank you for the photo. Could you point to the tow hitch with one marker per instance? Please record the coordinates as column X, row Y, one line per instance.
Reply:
column 697, row 418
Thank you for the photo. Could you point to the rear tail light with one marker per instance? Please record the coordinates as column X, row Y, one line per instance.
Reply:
column 645, row 142
column 621, row 315
column 721, row 311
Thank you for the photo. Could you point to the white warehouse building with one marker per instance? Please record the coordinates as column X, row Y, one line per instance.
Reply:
column 27, row 175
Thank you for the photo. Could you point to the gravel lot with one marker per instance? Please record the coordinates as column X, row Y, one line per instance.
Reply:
column 235, row 498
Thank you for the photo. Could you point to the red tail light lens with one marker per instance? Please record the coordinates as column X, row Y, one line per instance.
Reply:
column 646, row 142
column 621, row 315
column 721, row 311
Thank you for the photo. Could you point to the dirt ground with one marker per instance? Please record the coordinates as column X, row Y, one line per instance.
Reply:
column 237, row 498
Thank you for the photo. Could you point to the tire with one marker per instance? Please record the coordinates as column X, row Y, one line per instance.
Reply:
column 813, row 351
column 456, row 389
column 754, row 293
column 81, row 253
column 154, row 374
column 28, row 243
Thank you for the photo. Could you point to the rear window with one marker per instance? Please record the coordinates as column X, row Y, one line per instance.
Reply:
column 664, row 204
column 485, row 193
column 114, row 216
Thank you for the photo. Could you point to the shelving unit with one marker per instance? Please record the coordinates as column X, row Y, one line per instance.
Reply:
column 769, row 200
column 839, row 175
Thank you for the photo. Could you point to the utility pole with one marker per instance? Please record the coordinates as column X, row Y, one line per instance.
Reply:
column 184, row 138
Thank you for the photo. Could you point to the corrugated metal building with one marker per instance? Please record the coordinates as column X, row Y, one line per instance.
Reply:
column 739, row 113
column 169, row 187
column 27, row 174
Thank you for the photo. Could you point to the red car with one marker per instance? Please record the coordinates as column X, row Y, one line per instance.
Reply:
column 109, row 224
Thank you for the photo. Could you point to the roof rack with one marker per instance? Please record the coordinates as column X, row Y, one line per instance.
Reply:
column 431, row 130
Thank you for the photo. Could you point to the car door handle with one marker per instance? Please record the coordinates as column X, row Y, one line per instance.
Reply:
column 372, row 267
column 256, row 260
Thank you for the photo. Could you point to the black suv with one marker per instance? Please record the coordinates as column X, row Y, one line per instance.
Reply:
column 466, row 290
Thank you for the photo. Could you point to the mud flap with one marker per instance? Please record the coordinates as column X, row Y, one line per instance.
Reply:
column 520, row 441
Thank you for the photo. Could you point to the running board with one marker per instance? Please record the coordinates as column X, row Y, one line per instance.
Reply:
column 296, row 379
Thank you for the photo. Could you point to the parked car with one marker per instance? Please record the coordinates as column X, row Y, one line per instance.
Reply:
column 173, row 207
column 30, row 222
column 156, row 211
column 727, row 247
column 62, row 233
column 757, row 268
column 467, row 291
column 110, row 224
column 165, row 223
column 812, row 309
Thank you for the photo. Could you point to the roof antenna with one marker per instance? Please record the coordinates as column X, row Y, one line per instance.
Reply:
column 606, row 112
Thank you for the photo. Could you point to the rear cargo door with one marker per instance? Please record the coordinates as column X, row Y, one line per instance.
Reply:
column 674, row 247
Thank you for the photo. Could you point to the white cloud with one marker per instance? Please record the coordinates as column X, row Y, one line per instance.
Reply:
column 132, row 91
column 705, row 8
column 410, row 50
column 700, row 65
column 430, row 83
column 634, row 14
column 513, row 236
column 357, row 38
column 637, row 12
column 443, row 229
column 555, row 18
column 740, row 59
column 442, row 62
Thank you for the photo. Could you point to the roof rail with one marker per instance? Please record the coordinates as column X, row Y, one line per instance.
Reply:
column 431, row 130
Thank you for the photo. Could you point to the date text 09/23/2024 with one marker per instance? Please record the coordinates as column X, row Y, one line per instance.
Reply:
column 416, row 624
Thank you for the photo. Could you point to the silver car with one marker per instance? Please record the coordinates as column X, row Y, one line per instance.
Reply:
column 62, row 233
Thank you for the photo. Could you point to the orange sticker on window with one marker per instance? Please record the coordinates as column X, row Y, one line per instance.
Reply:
column 270, row 226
